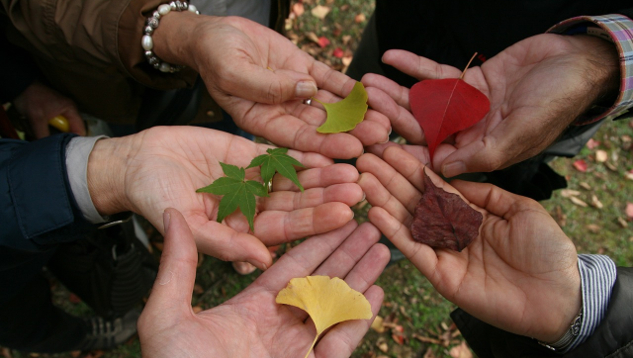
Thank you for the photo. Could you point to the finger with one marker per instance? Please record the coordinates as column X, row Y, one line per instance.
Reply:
column 400, row 117
column 275, row 86
column 40, row 129
column 417, row 66
column 303, row 259
column 276, row 227
column 421, row 153
column 350, row 194
column 75, row 122
column 378, row 196
column 318, row 178
column 393, row 90
column 225, row 243
column 343, row 338
column 398, row 185
column 422, row 256
column 493, row 199
column 350, row 253
column 173, row 287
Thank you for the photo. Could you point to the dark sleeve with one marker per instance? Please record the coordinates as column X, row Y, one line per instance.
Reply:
column 17, row 70
column 37, row 208
column 613, row 338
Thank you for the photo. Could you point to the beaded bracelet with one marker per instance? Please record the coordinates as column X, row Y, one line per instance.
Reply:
column 152, row 23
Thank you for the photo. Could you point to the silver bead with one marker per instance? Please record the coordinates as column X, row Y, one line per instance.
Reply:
column 165, row 67
column 156, row 64
column 148, row 30
column 173, row 6
column 156, row 14
column 152, row 22
column 154, row 61
column 149, row 54
column 193, row 8
column 147, row 43
column 164, row 9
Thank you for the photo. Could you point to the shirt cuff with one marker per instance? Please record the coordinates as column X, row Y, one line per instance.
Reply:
column 77, row 153
column 619, row 29
column 597, row 277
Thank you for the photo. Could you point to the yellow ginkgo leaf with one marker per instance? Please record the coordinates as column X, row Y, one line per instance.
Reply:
column 344, row 115
column 328, row 301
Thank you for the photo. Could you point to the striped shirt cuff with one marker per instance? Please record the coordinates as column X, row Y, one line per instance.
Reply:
column 619, row 29
column 597, row 276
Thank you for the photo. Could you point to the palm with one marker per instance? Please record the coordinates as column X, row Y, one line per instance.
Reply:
column 508, row 275
column 160, row 176
column 534, row 95
column 251, row 324
column 253, row 50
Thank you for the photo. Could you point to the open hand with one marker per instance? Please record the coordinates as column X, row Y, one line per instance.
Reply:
column 520, row 274
column 251, row 324
column 163, row 166
column 536, row 87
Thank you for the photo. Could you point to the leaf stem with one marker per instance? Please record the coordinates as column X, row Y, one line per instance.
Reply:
column 464, row 72
column 312, row 346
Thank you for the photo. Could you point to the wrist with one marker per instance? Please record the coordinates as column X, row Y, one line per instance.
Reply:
column 107, row 165
column 171, row 40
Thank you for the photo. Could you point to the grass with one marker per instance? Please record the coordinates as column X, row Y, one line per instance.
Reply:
column 410, row 301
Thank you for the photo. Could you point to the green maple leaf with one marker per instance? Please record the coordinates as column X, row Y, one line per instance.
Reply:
column 237, row 192
column 277, row 160
column 344, row 115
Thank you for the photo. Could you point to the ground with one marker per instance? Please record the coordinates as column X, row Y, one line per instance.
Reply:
column 594, row 211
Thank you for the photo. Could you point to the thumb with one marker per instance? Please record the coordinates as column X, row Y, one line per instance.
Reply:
column 172, row 291
column 265, row 85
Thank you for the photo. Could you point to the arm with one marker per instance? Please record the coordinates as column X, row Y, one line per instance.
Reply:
column 537, row 87
column 162, row 167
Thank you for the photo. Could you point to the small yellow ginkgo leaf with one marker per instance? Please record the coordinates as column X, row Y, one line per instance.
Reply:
column 327, row 301
column 344, row 115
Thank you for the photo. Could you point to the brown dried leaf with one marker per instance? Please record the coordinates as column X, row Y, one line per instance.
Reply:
column 596, row 203
column 622, row 222
column 568, row 193
column 443, row 219
column 378, row 325
column 593, row 228
column 629, row 211
column 585, row 185
column 360, row 18
column 298, row 9
column 578, row 202
column 381, row 343
column 320, row 11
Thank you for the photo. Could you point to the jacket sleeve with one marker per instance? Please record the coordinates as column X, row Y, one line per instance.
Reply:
column 618, row 29
column 613, row 338
column 37, row 208
column 101, row 33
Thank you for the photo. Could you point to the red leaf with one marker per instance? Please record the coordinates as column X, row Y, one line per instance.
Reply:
column 338, row 53
column 323, row 41
column 591, row 143
column 444, row 220
column 444, row 107
column 580, row 165
column 629, row 211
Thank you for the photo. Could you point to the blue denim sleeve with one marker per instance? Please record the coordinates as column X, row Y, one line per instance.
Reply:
column 37, row 208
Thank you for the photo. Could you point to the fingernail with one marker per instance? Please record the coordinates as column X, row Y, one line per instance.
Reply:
column 166, row 217
column 452, row 169
column 305, row 89
column 364, row 197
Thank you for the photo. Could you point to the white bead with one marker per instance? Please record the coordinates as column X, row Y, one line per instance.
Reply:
column 165, row 67
column 192, row 8
column 147, row 43
column 164, row 9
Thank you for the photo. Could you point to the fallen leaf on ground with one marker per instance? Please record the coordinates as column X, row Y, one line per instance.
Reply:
column 591, row 143
column 344, row 115
column 593, row 228
column 585, row 185
column 320, row 11
column 595, row 202
column 444, row 220
column 377, row 325
column 360, row 18
column 629, row 211
column 338, row 53
column 327, row 301
column 323, row 41
column 578, row 202
column 298, row 9
column 461, row 351
column 568, row 193
column 446, row 106
column 601, row 156
column 381, row 343
column 580, row 165
column 622, row 222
